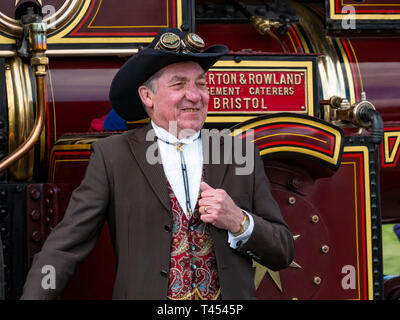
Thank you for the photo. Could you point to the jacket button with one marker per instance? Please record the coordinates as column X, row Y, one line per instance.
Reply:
column 164, row 273
column 167, row 228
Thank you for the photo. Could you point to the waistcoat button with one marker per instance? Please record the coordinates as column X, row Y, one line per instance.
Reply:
column 164, row 273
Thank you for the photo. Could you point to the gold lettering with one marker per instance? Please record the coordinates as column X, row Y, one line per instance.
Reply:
column 225, row 103
column 251, row 78
column 225, row 78
column 211, row 78
column 247, row 102
column 259, row 79
column 242, row 79
column 233, row 78
column 238, row 104
column 217, row 103
column 286, row 91
column 254, row 103
column 267, row 78
column 289, row 79
column 297, row 79
column 262, row 104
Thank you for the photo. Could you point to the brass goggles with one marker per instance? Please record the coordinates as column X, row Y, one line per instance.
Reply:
column 172, row 42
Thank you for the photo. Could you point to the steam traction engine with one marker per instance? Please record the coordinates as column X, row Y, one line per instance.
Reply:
column 297, row 79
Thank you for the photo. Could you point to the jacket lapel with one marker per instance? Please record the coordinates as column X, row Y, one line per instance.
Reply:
column 147, row 155
column 213, row 160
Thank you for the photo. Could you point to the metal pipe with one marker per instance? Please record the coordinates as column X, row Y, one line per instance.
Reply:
column 34, row 136
column 38, row 47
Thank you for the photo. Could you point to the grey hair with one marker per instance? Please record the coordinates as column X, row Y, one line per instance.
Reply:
column 151, row 83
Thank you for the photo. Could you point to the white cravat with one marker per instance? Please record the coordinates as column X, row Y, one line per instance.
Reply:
column 193, row 154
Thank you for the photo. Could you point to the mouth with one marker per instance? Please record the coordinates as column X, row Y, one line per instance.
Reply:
column 191, row 109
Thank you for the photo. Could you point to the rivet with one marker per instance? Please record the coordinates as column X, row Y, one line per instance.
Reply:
column 317, row 280
column 295, row 183
column 35, row 194
column 294, row 298
column 324, row 249
column 3, row 193
column 35, row 215
column 36, row 236
column 314, row 219
column 292, row 200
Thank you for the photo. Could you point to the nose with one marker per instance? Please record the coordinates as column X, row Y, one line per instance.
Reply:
column 193, row 93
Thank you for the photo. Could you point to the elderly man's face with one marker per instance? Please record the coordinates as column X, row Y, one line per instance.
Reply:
column 181, row 96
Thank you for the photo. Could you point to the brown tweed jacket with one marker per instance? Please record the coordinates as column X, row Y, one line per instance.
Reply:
column 120, row 186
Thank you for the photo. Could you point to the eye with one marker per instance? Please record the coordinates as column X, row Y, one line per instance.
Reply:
column 202, row 83
column 177, row 84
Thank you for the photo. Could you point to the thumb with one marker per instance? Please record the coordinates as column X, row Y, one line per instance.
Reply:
column 204, row 186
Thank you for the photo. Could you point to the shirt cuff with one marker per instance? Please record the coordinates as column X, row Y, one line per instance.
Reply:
column 236, row 241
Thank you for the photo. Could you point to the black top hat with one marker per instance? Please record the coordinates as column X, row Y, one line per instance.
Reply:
column 168, row 47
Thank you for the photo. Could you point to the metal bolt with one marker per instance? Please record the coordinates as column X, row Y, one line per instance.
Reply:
column 314, row 219
column 35, row 215
column 3, row 193
column 317, row 280
column 36, row 236
column 324, row 249
column 292, row 200
column 295, row 183
column 35, row 194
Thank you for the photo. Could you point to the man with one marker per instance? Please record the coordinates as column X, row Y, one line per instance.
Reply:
column 182, row 227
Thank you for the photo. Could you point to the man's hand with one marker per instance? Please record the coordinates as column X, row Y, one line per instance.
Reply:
column 218, row 208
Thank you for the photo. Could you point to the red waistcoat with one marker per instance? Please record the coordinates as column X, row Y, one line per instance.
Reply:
column 193, row 268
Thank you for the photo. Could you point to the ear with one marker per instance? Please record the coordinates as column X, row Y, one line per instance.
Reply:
column 146, row 95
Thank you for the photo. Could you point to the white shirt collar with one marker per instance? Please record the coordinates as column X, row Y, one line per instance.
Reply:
column 166, row 136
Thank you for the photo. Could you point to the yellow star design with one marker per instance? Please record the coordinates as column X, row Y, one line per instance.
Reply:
column 17, row 1
column 261, row 271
